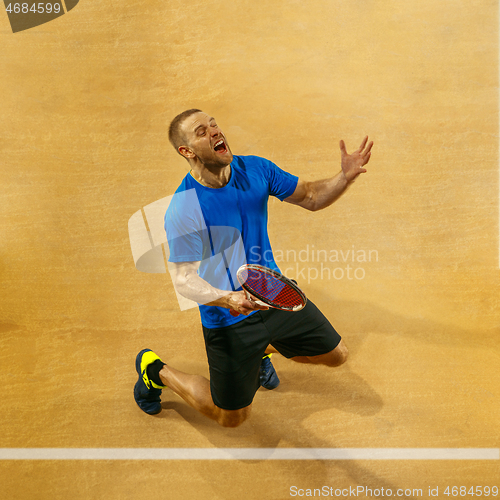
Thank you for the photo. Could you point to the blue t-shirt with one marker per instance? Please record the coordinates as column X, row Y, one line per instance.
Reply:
column 227, row 227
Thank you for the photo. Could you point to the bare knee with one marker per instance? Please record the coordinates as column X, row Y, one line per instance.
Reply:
column 339, row 354
column 233, row 418
column 336, row 357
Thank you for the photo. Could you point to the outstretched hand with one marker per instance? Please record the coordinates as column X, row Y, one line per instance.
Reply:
column 352, row 164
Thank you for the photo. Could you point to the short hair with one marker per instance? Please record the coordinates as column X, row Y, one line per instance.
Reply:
column 175, row 136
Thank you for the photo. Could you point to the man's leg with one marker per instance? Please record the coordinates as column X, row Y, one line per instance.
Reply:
column 195, row 390
column 154, row 375
column 336, row 357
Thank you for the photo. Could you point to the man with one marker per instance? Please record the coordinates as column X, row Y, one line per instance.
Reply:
column 216, row 220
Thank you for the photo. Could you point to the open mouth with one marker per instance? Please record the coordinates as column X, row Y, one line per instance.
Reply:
column 220, row 147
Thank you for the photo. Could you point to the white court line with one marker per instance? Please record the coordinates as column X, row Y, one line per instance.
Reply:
column 249, row 453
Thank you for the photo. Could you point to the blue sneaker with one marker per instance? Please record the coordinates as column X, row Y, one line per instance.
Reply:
column 267, row 374
column 146, row 392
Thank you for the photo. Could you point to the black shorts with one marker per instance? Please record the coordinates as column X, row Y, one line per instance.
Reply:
column 235, row 352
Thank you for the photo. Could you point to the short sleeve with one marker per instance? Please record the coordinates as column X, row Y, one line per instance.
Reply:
column 186, row 230
column 281, row 183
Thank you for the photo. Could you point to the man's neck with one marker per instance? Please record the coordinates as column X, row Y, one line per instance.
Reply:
column 211, row 177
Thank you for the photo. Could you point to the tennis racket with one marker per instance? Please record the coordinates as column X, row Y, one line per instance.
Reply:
column 270, row 288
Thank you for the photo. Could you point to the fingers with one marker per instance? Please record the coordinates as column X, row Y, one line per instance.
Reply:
column 262, row 307
column 246, row 306
column 252, row 305
column 247, row 310
column 366, row 158
column 361, row 150
column 363, row 144
column 368, row 148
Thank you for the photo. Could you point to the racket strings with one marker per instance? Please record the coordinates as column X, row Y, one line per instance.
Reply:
column 272, row 289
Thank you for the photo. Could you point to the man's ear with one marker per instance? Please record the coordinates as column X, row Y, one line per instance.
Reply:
column 186, row 152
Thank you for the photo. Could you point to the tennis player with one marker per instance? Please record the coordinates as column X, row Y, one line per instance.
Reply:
column 216, row 221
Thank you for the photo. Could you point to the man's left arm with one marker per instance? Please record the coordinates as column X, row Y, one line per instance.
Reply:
column 316, row 195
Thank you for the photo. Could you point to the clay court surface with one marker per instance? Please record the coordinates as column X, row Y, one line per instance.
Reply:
column 85, row 104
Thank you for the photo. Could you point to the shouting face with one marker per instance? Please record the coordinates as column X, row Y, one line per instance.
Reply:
column 205, row 141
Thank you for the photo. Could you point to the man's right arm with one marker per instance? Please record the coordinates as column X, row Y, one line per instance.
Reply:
column 189, row 284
